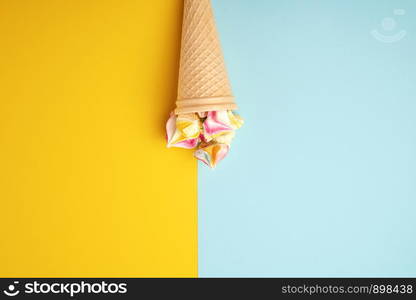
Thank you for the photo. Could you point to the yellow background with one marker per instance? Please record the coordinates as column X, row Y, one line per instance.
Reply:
column 87, row 186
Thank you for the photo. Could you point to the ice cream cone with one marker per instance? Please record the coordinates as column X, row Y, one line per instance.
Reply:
column 203, row 81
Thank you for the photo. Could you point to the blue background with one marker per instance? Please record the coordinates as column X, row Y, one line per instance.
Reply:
column 321, row 179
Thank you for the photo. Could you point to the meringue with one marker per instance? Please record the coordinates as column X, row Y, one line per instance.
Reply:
column 211, row 133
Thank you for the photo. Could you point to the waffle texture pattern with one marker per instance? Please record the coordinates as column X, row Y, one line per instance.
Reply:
column 203, row 81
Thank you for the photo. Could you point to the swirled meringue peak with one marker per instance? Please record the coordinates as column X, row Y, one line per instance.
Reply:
column 211, row 133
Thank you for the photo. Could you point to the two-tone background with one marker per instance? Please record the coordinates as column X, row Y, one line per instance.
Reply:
column 320, row 181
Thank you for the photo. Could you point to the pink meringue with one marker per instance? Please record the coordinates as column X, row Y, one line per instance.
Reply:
column 183, row 131
column 210, row 132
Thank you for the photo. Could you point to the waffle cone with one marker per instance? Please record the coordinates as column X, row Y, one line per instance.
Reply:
column 203, row 81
